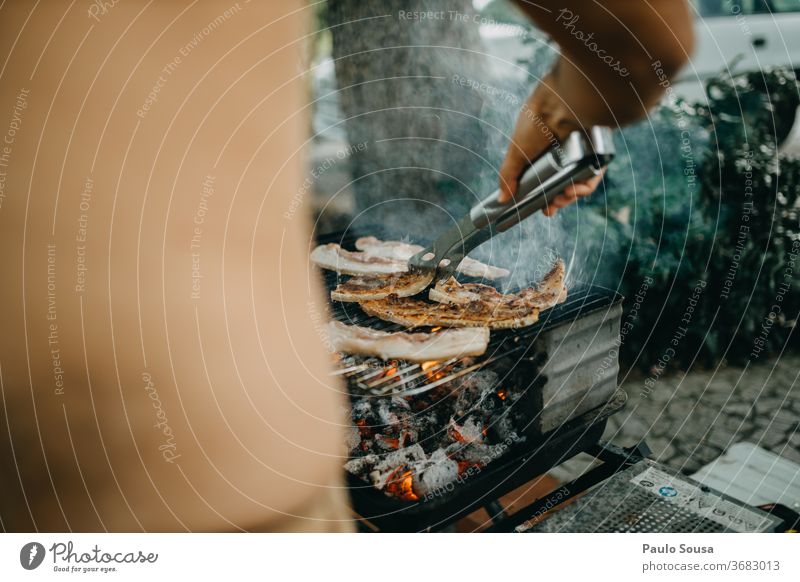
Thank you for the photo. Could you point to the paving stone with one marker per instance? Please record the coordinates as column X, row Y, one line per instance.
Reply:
column 680, row 409
column 691, row 419
column 784, row 419
column 749, row 392
column 720, row 438
column 767, row 438
column 715, row 398
column 734, row 424
column 789, row 453
column 769, row 404
column 635, row 426
column 762, row 421
column 740, row 409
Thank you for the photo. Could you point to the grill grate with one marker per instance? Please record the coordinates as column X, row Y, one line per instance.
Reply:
column 398, row 378
column 644, row 513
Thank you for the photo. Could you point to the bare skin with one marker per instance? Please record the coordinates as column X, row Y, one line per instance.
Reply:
column 604, row 76
column 137, row 396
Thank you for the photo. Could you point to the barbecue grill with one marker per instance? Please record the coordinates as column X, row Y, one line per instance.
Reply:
column 565, row 368
column 563, row 371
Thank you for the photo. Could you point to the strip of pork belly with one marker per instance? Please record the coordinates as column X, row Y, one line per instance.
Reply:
column 411, row 312
column 333, row 257
column 370, row 287
column 412, row 347
column 397, row 250
column 548, row 293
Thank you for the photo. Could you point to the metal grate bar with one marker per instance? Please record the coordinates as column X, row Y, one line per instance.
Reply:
column 421, row 374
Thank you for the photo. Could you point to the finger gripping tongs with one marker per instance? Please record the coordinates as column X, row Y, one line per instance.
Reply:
column 579, row 157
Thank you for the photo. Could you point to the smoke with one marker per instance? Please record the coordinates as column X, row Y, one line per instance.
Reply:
column 434, row 89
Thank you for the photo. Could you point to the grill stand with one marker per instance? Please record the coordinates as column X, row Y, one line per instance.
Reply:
column 632, row 494
column 614, row 459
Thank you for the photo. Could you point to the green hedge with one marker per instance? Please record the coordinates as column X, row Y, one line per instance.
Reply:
column 702, row 209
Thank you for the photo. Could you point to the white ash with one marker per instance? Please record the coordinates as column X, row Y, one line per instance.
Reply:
column 470, row 431
column 409, row 456
column 361, row 465
column 435, row 473
column 387, row 410
column 474, row 393
column 479, row 453
column 360, row 408
column 352, row 437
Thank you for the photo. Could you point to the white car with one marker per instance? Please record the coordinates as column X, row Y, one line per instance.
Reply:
column 745, row 35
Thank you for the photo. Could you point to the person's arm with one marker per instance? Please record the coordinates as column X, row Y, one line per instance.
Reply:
column 161, row 358
column 614, row 58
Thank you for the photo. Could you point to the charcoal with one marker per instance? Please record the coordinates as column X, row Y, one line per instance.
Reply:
column 360, row 465
column 352, row 437
column 435, row 474
column 386, row 413
column 471, row 431
column 405, row 457
column 502, row 429
column 361, row 408
column 431, row 437
column 476, row 453
column 475, row 392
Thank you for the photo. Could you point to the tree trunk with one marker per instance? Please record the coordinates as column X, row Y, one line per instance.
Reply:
column 397, row 79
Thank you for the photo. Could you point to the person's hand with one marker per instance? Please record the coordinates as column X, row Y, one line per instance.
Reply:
column 542, row 122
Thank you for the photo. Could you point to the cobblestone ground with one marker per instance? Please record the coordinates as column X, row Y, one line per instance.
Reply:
column 689, row 420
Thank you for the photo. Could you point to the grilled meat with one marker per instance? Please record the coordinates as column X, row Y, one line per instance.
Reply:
column 473, row 305
column 549, row 292
column 379, row 287
column 397, row 250
column 413, row 347
column 412, row 313
column 333, row 257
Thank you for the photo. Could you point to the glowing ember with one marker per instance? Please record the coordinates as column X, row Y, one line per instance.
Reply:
column 392, row 443
column 402, row 486
column 456, row 435
column 433, row 372
column 464, row 466
column 364, row 433
column 391, row 372
column 410, row 446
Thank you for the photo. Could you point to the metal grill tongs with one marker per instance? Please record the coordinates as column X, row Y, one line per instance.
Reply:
column 579, row 157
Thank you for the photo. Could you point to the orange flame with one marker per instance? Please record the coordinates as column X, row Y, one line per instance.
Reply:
column 434, row 375
column 390, row 372
column 402, row 486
